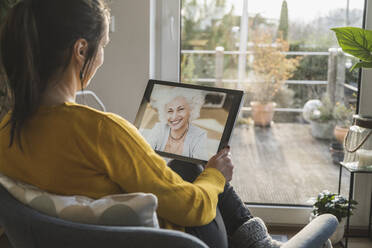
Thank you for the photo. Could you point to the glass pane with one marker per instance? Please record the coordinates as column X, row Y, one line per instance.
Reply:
column 298, row 88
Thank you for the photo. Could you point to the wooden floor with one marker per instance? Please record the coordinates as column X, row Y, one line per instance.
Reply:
column 282, row 164
column 353, row 242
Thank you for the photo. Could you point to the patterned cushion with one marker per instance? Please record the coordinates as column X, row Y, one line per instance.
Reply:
column 135, row 209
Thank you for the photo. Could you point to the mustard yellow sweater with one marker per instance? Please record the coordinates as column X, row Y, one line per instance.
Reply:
column 72, row 149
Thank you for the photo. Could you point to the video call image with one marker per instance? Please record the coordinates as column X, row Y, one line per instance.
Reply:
column 184, row 121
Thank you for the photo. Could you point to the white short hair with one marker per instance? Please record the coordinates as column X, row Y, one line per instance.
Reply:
column 163, row 95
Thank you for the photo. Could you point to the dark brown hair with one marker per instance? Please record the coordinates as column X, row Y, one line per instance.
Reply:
column 37, row 41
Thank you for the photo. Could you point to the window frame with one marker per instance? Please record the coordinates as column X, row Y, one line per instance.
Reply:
column 165, row 58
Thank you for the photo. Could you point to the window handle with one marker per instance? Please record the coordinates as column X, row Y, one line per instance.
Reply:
column 172, row 28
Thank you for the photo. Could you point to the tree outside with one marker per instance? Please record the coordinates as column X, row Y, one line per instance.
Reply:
column 283, row 22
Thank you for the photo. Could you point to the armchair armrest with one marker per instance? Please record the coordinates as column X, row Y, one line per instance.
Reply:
column 315, row 234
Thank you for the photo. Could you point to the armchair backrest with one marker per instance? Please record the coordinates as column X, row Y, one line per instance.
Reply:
column 27, row 228
column 89, row 98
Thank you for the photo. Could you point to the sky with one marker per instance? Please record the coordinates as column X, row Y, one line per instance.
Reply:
column 299, row 10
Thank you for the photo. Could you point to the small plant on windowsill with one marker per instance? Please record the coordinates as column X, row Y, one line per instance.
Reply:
column 331, row 203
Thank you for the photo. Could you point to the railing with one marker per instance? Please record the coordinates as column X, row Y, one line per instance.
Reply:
column 335, row 73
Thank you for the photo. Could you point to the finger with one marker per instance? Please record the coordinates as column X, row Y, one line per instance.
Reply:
column 227, row 159
column 223, row 153
column 215, row 156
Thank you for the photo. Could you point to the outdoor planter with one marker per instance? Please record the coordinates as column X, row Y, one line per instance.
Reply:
column 340, row 133
column 262, row 113
column 322, row 130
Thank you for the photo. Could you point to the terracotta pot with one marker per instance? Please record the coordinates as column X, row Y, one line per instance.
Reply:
column 262, row 114
column 340, row 133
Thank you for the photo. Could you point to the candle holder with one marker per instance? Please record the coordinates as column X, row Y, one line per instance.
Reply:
column 358, row 159
column 358, row 142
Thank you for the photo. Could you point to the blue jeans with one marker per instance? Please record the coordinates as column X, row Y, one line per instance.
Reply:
column 233, row 211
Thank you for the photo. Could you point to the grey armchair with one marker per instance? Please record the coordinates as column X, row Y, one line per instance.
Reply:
column 27, row 228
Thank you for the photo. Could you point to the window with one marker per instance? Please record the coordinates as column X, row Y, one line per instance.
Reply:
column 281, row 55
column 274, row 165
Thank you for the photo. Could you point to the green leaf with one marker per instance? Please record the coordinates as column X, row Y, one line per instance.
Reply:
column 355, row 41
column 361, row 64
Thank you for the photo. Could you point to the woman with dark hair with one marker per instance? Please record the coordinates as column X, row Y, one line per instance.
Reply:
column 50, row 49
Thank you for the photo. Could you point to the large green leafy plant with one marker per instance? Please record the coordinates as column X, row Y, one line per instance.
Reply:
column 356, row 42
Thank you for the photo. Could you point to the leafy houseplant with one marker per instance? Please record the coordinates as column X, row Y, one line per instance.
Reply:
column 331, row 203
column 356, row 42
column 271, row 69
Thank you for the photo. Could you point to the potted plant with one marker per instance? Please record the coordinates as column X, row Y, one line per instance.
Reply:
column 271, row 69
column 331, row 203
column 321, row 119
column 343, row 117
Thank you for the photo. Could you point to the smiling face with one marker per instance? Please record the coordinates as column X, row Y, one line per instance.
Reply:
column 178, row 113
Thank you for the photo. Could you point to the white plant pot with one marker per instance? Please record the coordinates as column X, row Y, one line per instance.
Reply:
column 339, row 232
column 322, row 130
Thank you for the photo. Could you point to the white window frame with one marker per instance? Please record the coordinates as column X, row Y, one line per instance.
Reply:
column 363, row 182
column 165, row 39
column 165, row 65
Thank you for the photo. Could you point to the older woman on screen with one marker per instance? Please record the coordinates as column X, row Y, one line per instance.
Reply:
column 175, row 133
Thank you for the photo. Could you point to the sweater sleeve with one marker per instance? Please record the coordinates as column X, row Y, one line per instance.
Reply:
column 131, row 163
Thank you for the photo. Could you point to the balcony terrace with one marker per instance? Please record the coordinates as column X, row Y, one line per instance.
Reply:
column 282, row 164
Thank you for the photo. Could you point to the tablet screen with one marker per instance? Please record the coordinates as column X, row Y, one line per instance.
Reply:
column 187, row 122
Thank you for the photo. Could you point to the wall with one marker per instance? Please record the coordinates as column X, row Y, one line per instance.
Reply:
column 121, row 81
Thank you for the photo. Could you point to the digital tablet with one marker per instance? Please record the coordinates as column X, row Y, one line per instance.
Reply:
column 187, row 122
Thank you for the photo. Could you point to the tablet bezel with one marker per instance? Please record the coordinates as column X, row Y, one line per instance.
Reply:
column 230, row 122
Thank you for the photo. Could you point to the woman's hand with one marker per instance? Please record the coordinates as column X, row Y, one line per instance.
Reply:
column 222, row 162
